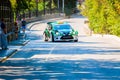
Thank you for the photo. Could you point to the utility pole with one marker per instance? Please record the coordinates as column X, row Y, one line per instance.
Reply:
column 36, row 8
column 50, row 6
column 44, row 6
column 63, row 6
column 29, row 8
column 58, row 6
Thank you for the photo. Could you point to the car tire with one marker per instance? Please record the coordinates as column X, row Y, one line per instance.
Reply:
column 52, row 38
column 45, row 38
column 76, row 40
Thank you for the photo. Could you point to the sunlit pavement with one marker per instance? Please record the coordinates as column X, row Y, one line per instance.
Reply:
column 92, row 58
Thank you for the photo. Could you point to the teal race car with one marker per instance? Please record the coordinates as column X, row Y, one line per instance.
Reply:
column 60, row 31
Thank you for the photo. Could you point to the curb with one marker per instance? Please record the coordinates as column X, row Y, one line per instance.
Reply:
column 108, row 36
column 113, row 37
column 5, row 57
column 19, row 43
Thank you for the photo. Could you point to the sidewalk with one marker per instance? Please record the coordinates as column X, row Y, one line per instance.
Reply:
column 13, row 48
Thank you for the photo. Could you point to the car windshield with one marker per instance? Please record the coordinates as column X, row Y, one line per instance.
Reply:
column 59, row 27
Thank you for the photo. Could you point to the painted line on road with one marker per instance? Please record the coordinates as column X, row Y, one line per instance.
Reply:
column 99, row 57
column 50, row 53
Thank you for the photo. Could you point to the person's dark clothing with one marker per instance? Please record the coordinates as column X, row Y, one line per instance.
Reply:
column 3, row 36
column 23, row 23
column 3, row 26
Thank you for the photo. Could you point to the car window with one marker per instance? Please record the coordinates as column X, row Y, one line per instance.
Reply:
column 57, row 27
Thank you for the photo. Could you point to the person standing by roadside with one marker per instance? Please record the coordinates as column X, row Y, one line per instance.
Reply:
column 4, row 42
column 16, row 30
column 0, row 35
column 23, row 25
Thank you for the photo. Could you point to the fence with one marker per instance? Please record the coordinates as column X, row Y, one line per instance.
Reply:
column 6, row 13
column 31, row 14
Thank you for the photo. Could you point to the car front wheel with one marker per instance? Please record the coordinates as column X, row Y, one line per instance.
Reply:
column 45, row 38
column 76, row 40
column 52, row 38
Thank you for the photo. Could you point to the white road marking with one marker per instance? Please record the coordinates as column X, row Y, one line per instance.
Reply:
column 50, row 53
column 111, row 57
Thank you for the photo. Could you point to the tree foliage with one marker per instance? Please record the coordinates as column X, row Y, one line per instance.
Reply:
column 103, row 15
column 69, row 6
column 21, row 5
column 25, row 6
column 13, row 3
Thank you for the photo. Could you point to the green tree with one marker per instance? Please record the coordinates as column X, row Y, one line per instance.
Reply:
column 103, row 15
column 13, row 4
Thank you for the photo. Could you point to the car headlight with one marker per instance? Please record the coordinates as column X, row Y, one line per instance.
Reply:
column 57, row 33
column 73, row 33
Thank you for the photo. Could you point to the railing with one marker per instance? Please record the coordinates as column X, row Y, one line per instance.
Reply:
column 31, row 14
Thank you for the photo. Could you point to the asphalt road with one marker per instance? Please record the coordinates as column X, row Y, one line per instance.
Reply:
column 91, row 58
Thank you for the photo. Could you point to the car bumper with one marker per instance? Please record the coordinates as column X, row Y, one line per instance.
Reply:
column 60, row 38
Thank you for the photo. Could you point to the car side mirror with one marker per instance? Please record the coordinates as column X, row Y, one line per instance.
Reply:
column 76, row 32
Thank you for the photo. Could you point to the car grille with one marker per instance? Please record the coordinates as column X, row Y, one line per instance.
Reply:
column 66, row 33
column 67, row 37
